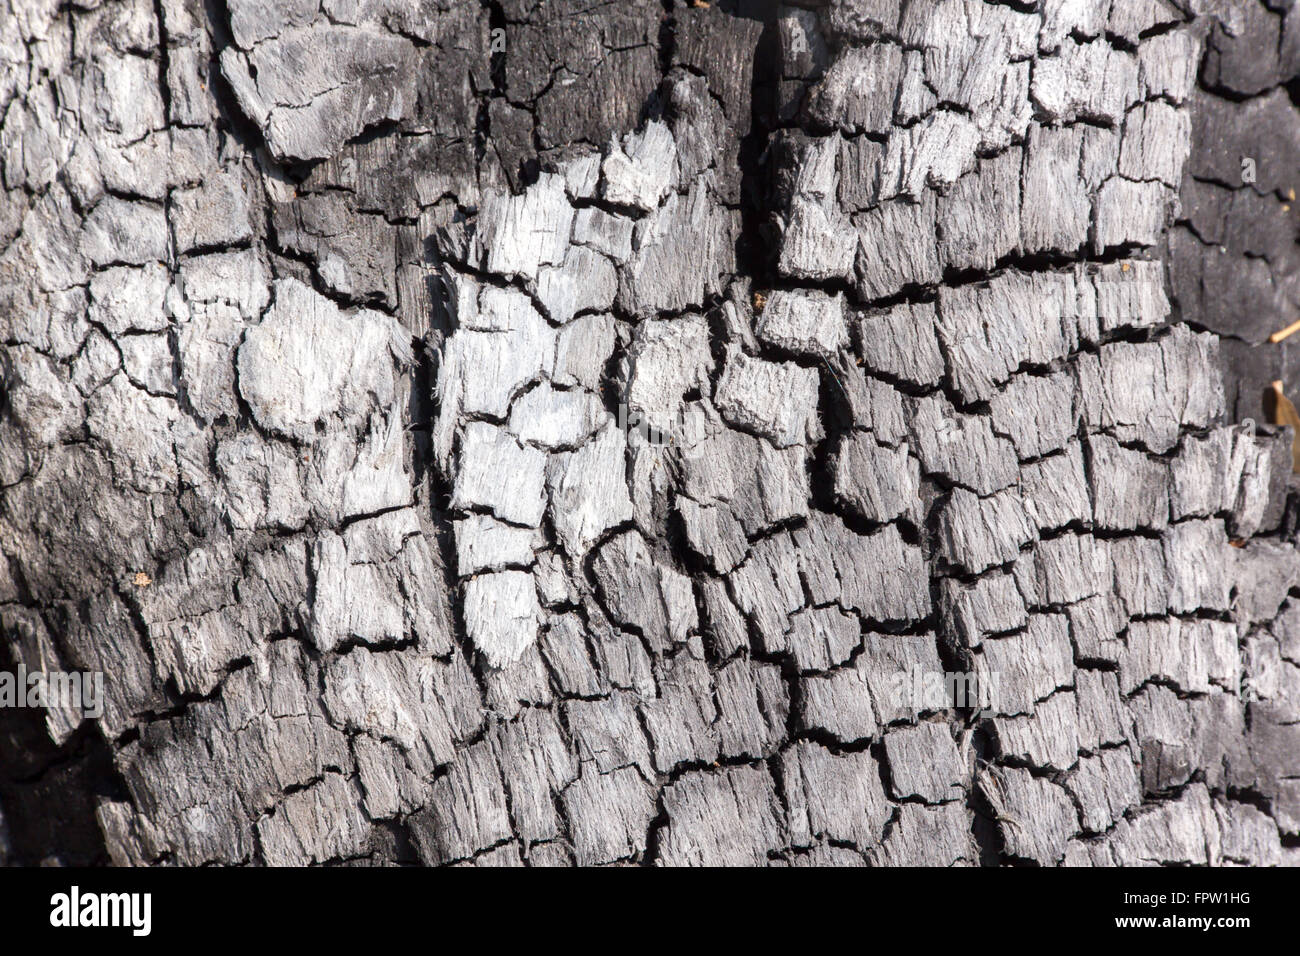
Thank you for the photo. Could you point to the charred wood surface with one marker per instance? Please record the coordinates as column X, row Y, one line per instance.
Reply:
column 577, row 433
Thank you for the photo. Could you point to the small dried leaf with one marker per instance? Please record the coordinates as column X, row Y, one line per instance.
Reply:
column 1283, row 412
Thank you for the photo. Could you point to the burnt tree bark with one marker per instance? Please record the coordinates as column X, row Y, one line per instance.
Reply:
column 546, row 432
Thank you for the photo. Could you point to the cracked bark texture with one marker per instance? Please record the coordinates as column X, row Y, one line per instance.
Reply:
column 1233, row 255
column 323, row 325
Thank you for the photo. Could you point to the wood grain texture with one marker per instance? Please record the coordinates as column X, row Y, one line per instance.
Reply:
column 593, row 452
